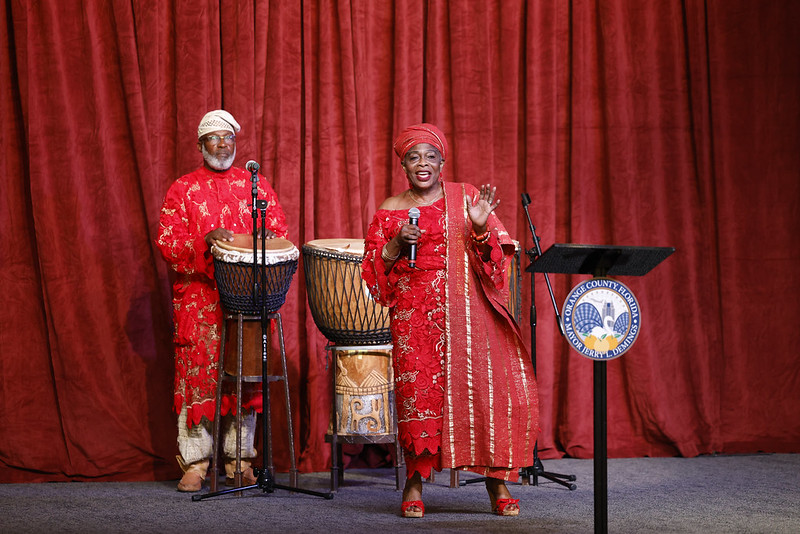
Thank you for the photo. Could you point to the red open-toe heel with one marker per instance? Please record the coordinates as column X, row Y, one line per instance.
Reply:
column 500, row 506
column 406, row 512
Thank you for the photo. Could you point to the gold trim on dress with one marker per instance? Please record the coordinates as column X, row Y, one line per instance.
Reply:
column 448, row 331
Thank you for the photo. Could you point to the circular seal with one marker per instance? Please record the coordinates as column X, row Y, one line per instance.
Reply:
column 601, row 318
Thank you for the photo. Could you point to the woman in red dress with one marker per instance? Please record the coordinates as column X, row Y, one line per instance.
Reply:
column 464, row 384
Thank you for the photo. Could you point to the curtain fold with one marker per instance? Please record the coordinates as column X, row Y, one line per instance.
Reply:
column 666, row 123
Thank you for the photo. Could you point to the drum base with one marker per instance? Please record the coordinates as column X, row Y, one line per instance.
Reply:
column 377, row 423
column 242, row 371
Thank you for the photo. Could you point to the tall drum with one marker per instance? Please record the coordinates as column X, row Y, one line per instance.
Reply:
column 340, row 302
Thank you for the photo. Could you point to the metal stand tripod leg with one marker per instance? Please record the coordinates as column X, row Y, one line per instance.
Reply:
column 531, row 474
column 285, row 377
column 265, row 480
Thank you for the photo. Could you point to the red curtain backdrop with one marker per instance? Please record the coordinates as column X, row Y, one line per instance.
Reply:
column 659, row 123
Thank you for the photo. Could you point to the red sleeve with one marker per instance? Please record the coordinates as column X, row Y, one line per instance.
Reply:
column 502, row 248
column 380, row 283
column 186, row 253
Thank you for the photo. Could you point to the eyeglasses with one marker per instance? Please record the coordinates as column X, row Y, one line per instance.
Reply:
column 230, row 138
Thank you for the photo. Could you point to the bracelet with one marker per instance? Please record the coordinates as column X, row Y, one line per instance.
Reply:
column 483, row 238
column 385, row 255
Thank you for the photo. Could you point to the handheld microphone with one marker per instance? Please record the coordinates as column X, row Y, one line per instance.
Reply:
column 413, row 218
column 252, row 166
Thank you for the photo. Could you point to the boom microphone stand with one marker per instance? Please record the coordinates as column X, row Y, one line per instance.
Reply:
column 537, row 469
column 265, row 480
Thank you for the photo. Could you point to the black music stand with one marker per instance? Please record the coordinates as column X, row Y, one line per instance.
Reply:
column 600, row 261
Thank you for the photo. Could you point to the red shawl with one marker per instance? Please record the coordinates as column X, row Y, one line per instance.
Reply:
column 491, row 401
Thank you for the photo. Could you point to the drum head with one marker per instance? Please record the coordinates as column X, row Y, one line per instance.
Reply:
column 341, row 245
column 240, row 250
column 244, row 243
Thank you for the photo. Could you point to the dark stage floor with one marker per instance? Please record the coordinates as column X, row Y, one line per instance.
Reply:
column 748, row 493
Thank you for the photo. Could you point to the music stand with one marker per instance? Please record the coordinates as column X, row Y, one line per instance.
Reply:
column 600, row 261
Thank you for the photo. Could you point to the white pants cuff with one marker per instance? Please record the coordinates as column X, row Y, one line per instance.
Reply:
column 196, row 443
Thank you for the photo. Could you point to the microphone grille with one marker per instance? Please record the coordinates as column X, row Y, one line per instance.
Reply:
column 413, row 213
column 252, row 166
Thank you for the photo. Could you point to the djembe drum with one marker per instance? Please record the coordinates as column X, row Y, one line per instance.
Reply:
column 245, row 302
column 358, row 330
column 233, row 271
column 340, row 302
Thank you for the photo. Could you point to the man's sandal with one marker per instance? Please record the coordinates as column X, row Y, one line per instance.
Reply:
column 194, row 475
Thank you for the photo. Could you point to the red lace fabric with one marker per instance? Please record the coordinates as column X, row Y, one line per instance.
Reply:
column 417, row 322
column 196, row 204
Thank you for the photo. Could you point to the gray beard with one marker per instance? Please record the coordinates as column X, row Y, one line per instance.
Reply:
column 218, row 164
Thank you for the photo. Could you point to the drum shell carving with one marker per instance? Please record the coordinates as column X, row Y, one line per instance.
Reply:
column 364, row 391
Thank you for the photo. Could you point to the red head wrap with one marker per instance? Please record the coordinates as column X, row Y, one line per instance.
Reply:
column 420, row 133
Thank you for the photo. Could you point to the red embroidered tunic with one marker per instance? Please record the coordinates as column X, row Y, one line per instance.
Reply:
column 196, row 204
column 464, row 385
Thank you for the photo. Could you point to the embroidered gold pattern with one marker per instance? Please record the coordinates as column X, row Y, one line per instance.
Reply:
column 465, row 280
column 490, row 375
column 448, row 367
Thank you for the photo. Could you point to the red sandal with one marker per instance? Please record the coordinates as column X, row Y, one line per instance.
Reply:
column 406, row 512
column 500, row 506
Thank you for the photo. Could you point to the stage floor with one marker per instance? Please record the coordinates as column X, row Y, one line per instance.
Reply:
column 743, row 493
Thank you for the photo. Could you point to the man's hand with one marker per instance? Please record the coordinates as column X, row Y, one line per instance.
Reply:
column 218, row 234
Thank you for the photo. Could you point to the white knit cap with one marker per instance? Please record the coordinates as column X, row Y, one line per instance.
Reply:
column 219, row 119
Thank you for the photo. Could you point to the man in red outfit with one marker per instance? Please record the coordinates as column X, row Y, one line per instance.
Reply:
column 210, row 204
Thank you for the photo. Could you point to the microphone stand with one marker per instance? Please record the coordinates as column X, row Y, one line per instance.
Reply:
column 265, row 480
column 537, row 469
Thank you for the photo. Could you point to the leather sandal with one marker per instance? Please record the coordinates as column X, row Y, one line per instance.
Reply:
column 405, row 509
column 194, row 475
column 248, row 478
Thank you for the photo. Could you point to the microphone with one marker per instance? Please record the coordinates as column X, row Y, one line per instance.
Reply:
column 253, row 167
column 413, row 218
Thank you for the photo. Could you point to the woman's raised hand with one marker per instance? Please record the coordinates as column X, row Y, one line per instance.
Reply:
column 480, row 206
